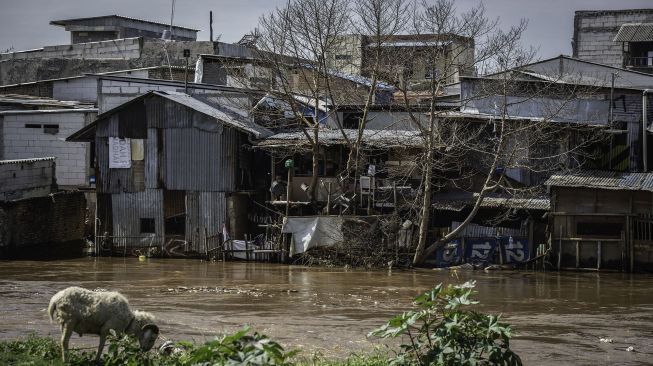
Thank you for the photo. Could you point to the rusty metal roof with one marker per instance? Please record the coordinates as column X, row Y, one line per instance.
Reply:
column 635, row 32
column 458, row 201
column 27, row 161
column 208, row 105
column 598, row 179
column 375, row 138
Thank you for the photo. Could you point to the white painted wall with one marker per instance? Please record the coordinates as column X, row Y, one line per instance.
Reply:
column 19, row 142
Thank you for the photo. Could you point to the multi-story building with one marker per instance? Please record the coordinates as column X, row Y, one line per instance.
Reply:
column 406, row 58
column 619, row 38
column 107, row 27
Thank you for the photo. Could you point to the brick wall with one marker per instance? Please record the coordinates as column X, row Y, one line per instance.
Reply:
column 20, row 142
column 26, row 178
column 595, row 30
column 43, row 225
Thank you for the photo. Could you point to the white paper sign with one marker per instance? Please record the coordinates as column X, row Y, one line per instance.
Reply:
column 120, row 156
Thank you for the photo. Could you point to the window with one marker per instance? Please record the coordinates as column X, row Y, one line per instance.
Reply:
column 599, row 228
column 51, row 129
column 147, row 226
column 32, row 125
column 343, row 57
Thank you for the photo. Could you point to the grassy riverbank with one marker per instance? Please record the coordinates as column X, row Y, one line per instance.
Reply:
column 43, row 351
column 442, row 330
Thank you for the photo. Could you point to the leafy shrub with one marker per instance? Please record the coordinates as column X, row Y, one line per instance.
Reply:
column 237, row 349
column 442, row 331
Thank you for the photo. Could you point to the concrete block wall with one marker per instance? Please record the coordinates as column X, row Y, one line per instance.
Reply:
column 19, row 142
column 26, row 178
column 82, row 89
column 126, row 48
column 53, row 62
column 595, row 30
column 116, row 92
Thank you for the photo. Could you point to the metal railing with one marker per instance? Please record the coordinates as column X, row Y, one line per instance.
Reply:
column 639, row 62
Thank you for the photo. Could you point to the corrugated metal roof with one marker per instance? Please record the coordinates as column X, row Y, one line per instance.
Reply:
column 32, row 101
column 635, row 32
column 604, row 180
column 24, row 161
column 379, row 138
column 457, row 201
column 63, row 22
column 218, row 111
column 208, row 106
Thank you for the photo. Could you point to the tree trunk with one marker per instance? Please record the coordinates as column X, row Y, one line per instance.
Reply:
column 312, row 189
column 425, row 210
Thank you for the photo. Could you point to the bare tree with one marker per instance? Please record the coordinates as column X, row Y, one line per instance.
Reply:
column 459, row 150
column 484, row 152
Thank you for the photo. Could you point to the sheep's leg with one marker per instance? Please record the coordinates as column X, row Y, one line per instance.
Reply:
column 66, row 331
column 100, row 347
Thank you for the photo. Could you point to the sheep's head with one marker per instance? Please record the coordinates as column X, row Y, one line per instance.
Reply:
column 147, row 331
column 147, row 336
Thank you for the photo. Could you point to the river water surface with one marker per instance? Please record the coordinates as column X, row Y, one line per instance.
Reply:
column 558, row 318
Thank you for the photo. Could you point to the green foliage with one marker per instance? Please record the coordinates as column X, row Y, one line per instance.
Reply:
column 444, row 331
column 372, row 359
column 237, row 349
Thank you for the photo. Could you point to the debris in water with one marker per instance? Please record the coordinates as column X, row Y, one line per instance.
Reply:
column 605, row 340
column 630, row 349
column 217, row 290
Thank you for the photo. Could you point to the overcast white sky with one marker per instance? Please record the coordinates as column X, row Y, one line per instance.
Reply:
column 24, row 24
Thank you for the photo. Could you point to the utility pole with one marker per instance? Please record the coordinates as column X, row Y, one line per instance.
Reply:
column 211, row 25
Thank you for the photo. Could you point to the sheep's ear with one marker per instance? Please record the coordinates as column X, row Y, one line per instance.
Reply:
column 151, row 327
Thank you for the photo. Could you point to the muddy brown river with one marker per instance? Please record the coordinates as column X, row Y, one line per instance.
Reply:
column 558, row 318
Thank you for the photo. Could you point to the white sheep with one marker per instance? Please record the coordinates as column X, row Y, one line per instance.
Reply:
column 83, row 311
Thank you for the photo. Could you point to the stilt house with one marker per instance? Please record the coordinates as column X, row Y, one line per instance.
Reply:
column 166, row 162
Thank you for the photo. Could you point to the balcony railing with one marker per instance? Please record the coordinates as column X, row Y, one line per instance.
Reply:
column 639, row 62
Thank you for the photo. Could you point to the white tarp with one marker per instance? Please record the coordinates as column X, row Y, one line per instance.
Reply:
column 120, row 156
column 312, row 232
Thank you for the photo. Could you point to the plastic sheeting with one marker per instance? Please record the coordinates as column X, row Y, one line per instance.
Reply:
column 313, row 232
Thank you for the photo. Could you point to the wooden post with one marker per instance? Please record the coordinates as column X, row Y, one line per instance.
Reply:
column 598, row 255
column 577, row 254
column 394, row 195
column 328, row 211
column 631, row 246
column 246, row 248
column 288, row 190
column 531, row 245
column 560, row 249
column 206, row 243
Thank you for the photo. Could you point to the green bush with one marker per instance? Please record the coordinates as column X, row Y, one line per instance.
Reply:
column 443, row 331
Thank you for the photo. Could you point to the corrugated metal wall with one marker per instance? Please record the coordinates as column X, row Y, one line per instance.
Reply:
column 184, row 151
column 205, row 216
column 127, row 211
column 200, row 161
